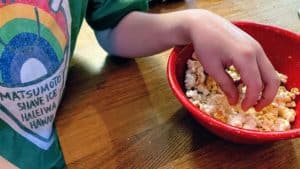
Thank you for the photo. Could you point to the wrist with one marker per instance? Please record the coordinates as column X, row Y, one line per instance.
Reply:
column 187, row 22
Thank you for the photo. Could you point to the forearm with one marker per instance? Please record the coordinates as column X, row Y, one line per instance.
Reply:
column 142, row 34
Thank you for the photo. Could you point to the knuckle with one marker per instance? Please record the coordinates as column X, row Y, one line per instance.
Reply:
column 256, row 86
column 248, row 52
column 252, row 99
column 257, row 46
column 274, row 81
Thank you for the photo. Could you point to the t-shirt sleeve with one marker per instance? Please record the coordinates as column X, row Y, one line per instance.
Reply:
column 105, row 14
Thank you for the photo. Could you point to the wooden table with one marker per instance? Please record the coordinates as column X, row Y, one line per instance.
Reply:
column 121, row 113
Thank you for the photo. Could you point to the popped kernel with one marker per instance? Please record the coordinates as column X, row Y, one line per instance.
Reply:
column 220, row 115
column 250, row 123
column 204, row 92
column 283, row 78
column 233, row 73
column 281, row 125
column 236, row 120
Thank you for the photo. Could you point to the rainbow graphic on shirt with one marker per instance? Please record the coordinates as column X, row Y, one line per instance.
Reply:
column 33, row 33
column 34, row 56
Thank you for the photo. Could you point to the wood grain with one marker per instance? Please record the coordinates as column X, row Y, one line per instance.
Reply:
column 121, row 114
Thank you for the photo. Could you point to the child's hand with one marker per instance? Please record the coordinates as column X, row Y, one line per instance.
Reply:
column 220, row 44
column 217, row 42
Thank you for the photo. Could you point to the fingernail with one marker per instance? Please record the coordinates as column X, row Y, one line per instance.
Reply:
column 232, row 100
column 245, row 107
column 258, row 108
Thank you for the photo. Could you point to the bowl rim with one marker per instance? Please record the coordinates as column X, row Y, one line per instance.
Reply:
column 203, row 117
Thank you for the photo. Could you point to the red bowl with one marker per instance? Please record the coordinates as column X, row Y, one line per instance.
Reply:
column 283, row 49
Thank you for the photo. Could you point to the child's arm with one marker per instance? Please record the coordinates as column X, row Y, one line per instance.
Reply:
column 217, row 42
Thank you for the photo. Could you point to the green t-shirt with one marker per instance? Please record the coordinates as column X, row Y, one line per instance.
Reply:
column 37, row 38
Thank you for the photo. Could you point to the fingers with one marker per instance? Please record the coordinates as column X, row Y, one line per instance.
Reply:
column 270, row 79
column 215, row 69
column 250, row 75
column 259, row 76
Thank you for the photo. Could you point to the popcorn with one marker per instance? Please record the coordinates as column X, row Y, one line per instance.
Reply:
column 236, row 120
column 287, row 114
column 281, row 125
column 233, row 73
column 192, row 94
column 250, row 123
column 283, row 78
column 190, row 80
column 220, row 115
column 207, row 108
column 204, row 92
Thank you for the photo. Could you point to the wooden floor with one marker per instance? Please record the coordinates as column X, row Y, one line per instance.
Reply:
column 121, row 113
